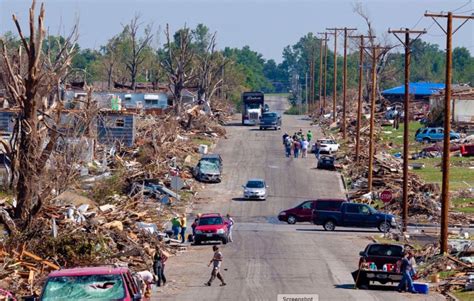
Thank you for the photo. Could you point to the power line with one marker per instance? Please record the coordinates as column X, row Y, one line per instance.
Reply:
column 464, row 5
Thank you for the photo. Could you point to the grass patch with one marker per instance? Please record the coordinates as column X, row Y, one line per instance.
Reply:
column 296, row 110
column 464, row 296
column 199, row 141
column 460, row 176
column 394, row 136
column 446, row 274
column 463, row 205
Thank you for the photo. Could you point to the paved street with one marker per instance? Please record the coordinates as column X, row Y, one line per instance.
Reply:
column 268, row 257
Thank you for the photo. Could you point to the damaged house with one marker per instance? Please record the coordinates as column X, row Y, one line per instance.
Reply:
column 116, row 126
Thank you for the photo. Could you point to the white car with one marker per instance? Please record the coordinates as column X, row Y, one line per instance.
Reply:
column 326, row 146
column 255, row 189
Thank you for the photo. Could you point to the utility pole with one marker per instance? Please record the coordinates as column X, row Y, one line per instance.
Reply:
column 306, row 90
column 359, row 100
column 312, row 67
column 334, row 94
column 325, row 68
column 447, row 125
column 375, row 56
column 344, row 83
column 407, row 44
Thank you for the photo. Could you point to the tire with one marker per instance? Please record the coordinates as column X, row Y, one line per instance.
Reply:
column 426, row 140
column 261, row 128
column 224, row 241
column 364, row 284
column 384, row 227
column 197, row 242
column 291, row 220
column 329, row 225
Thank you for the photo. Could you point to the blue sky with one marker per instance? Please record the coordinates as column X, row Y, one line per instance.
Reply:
column 266, row 26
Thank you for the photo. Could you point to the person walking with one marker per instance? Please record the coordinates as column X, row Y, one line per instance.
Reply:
column 285, row 135
column 230, row 225
column 405, row 268
column 159, row 260
column 316, row 150
column 175, row 226
column 309, row 136
column 216, row 262
column 296, row 148
column 182, row 223
column 288, row 144
column 304, row 148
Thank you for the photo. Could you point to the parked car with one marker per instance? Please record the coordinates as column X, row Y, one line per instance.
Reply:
column 255, row 189
column 211, row 227
column 432, row 134
column 90, row 283
column 326, row 162
column 326, row 146
column 354, row 215
column 304, row 211
column 270, row 120
column 372, row 261
column 209, row 168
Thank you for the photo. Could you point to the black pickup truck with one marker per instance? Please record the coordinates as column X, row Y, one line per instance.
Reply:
column 378, row 263
column 354, row 215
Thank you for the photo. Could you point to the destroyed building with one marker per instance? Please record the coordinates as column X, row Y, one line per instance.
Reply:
column 116, row 126
column 419, row 91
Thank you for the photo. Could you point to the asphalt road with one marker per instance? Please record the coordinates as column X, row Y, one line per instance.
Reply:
column 267, row 257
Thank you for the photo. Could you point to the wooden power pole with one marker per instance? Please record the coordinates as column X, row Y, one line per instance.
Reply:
column 334, row 93
column 375, row 54
column 447, row 125
column 407, row 44
column 323, row 43
column 325, row 68
column 344, row 82
column 359, row 99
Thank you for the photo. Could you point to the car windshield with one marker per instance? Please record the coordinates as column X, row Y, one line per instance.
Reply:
column 209, row 167
column 255, row 184
column 205, row 221
column 91, row 287
column 212, row 160
column 385, row 250
column 269, row 115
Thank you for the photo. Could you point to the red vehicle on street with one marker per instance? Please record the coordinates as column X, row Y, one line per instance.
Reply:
column 211, row 227
column 91, row 283
column 304, row 211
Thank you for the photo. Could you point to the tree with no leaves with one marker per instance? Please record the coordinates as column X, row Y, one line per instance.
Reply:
column 135, row 47
column 32, row 81
column 178, row 63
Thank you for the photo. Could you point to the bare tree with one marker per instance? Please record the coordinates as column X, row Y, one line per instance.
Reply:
column 209, row 71
column 137, row 47
column 35, row 92
column 178, row 64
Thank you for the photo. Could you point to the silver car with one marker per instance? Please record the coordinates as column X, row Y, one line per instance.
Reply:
column 255, row 189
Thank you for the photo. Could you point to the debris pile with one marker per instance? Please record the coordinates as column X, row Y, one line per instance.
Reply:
column 129, row 202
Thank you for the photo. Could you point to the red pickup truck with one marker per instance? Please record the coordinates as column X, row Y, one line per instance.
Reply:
column 91, row 283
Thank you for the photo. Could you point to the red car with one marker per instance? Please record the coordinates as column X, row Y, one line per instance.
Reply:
column 91, row 283
column 211, row 227
column 304, row 211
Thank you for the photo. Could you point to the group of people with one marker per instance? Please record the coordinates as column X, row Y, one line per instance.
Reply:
column 178, row 226
column 158, row 278
column 407, row 268
column 297, row 144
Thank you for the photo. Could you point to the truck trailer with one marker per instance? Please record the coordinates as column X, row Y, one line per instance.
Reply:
column 252, row 107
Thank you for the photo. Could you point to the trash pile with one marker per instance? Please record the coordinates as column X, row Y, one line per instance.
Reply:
column 452, row 272
column 118, row 209
column 424, row 199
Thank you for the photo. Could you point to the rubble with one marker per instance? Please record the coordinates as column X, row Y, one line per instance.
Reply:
column 118, row 210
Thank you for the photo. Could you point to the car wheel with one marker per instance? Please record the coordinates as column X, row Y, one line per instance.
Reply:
column 384, row 227
column 329, row 225
column 197, row 242
column 426, row 140
column 291, row 220
column 224, row 241
column 261, row 128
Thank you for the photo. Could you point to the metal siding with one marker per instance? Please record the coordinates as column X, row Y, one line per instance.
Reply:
column 125, row 134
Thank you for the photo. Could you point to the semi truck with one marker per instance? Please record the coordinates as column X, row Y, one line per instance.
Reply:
column 252, row 107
